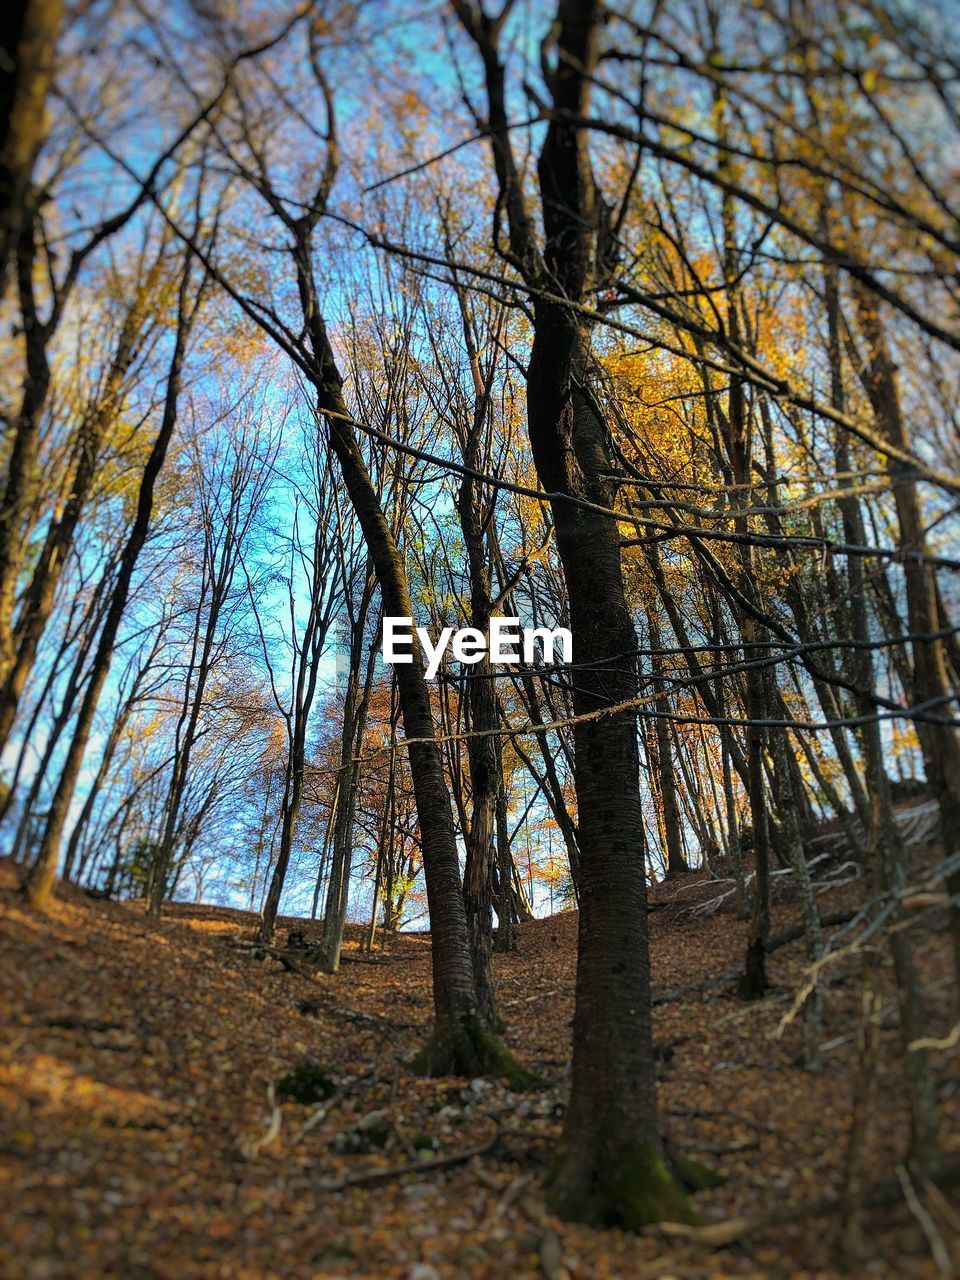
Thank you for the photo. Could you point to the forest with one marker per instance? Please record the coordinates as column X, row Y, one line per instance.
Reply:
column 479, row 546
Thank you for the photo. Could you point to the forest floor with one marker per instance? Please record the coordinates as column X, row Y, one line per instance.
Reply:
column 141, row 1134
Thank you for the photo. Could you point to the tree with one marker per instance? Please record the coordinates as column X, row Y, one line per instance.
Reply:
column 610, row 1165
column 39, row 883
column 462, row 1038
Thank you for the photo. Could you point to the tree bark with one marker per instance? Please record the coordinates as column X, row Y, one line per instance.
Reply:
column 486, row 780
column 32, row 27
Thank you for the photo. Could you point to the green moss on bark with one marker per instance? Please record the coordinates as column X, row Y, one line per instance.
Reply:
column 694, row 1175
column 465, row 1049
column 635, row 1191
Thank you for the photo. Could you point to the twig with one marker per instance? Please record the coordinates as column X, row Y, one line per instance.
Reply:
column 320, row 1113
column 716, row 1235
column 947, row 1212
column 68, row 1023
column 930, row 1042
column 418, row 1167
column 509, row 1195
column 252, row 1149
column 937, row 1248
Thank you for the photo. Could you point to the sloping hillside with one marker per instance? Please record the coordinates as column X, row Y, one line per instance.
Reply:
column 143, row 1133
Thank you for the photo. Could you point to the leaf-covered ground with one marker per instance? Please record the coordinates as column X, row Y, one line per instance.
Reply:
column 143, row 1133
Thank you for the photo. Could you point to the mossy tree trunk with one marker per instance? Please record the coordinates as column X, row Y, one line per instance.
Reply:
column 609, row 1166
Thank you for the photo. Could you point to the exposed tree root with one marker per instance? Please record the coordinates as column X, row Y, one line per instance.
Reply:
column 637, row 1190
column 418, row 1167
column 691, row 1173
column 466, row 1049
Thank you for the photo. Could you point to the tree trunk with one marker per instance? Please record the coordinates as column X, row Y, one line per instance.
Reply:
column 609, row 1166
column 676, row 862
column 931, row 679
column 885, row 847
column 32, row 27
column 351, row 743
column 484, row 756
column 22, row 460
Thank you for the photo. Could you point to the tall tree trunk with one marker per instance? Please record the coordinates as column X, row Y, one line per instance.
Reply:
column 931, row 677
column 486, row 780
column 22, row 460
column 886, row 858
column 308, row 652
column 739, row 441
column 26, row 73
column 351, row 746
column 609, row 1165
column 676, row 862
